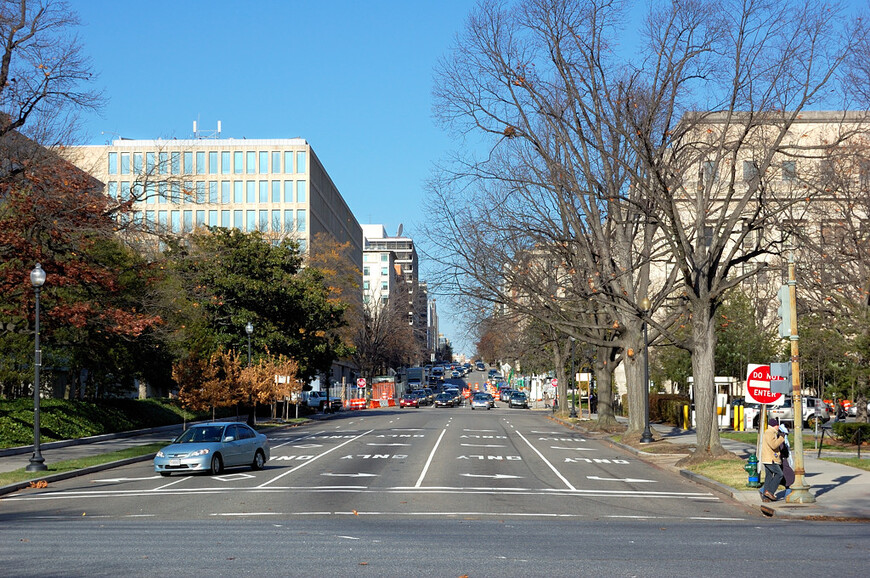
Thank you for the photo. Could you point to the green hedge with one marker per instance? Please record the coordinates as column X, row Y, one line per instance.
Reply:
column 61, row 419
column 667, row 408
column 852, row 433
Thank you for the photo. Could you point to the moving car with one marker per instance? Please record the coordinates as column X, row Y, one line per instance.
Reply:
column 480, row 401
column 504, row 394
column 211, row 447
column 444, row 400
column 518, row 399
column 411, row 399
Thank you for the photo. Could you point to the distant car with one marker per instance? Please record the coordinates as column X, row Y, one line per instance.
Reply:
column 211, row 447
column 410, row 400
column 444, row 400
column 504, row 394
column 518, row 399
column 480, row 401
column 455, row 373
column 454, row 393
column 814, row 410
column 492, row 372
column 480, row 366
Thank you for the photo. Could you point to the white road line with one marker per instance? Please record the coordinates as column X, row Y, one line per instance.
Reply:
column 485, row 430
column 575, row 449
column 482, row 445
column 303, row 464
column 429, row 461
column 170, row 484
column 546, row 461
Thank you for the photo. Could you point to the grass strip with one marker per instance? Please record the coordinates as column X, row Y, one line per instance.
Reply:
column 862, row 463
column 728, row 472
column 21, row 475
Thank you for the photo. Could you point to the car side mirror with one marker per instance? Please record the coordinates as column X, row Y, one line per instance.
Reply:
column 229, row 439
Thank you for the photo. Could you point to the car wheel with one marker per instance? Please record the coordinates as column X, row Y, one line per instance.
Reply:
column 217, row 465
column 164, row 474
column 259, row 461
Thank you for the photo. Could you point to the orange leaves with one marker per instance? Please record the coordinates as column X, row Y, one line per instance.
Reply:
column 40, row 484
column 510, row 132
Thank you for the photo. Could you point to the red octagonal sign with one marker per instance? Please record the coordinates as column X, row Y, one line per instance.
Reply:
column 758, row 385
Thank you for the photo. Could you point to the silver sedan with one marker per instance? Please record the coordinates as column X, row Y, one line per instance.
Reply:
column 211, row 447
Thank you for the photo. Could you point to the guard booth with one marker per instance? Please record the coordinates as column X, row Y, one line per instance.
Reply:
column 727, row 388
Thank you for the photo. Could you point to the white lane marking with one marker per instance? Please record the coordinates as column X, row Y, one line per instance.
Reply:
column 546, row 461
column 488, row 430
column 482, row 514
column 348, row 537
column 575, row 449
column 429, row 461
column 630, row 480
column 306, row 446
column 388, row 445
column 493, row 476
column 170, row 484
column 357, row 475
column 116, row 480
column 233, row 477
column 406, row 429
column 482, row 445
column 303, row 464
column 548, row 432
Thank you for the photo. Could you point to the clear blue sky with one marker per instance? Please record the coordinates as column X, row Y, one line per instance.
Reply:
column 352, row 78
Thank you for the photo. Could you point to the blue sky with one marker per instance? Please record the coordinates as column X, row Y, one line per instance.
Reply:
column 352, row 78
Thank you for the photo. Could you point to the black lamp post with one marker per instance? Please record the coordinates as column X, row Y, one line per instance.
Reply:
column 37, row 462
column 646, row 437
column 249, row 329
column 573, row 383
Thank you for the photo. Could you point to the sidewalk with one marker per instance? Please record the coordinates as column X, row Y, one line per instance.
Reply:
column 841, row 492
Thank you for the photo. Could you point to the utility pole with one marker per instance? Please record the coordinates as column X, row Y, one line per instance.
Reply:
column 800, row 491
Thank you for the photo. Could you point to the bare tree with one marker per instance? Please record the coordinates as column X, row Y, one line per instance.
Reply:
column 42, row 69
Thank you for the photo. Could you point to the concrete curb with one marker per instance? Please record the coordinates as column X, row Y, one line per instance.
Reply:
column 74, row 473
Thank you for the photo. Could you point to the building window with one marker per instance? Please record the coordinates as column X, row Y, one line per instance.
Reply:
column 238, row 192
column 162, row 196
column 239, row 219
column 212, row 192
column 367, row 272
column 163, row 162
column 187, row 223
column 238, row 162
column 288, row 191
column 301, row 224
column 188, row 163
column 200, row 218
column 708, row 172
column 175, row 224
column 150, row 163
column 225, row 219
column 251, row 190
column 264, row 191
column 288, row 161
column 213, row 167
column 366, row 285
column 176, row 163
column 175, row 189
column 276, row 191
column 264, row 162
column 276, row 162
column 137, row 163
column 385, row 257
column 750, row 170
column 163, row 220
column 200, row 162
column 288, row 221
column 149, row 218
column 301, row 191
column 385, row 286
column 251, row 221
column 225, row 193
column 112, row 190
column 302, row 244
column 125, row 163
column 300, row 162
column 200, row 192
column 385, row 270
column 212, row 218
column 276, row 221
column 263, row 225
column 789, row 171
column 113, row 163
column 225, row 163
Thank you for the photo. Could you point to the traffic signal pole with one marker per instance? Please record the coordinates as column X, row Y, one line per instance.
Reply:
column 800, row 491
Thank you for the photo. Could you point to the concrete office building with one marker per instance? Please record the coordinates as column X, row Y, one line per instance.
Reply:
column 276, row 186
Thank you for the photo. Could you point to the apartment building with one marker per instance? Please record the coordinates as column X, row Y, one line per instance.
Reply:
column 276, row 186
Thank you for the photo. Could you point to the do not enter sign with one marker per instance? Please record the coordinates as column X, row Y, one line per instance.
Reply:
column 361, row 382
column 758, row 386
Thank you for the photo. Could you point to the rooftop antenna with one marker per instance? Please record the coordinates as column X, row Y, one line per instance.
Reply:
column 206, row 133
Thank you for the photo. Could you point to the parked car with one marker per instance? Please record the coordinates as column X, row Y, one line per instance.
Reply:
column 444, row 400
column 411, row 399
column 480, row 401
column 814, row 410
column 518, row 399
column 211, row 447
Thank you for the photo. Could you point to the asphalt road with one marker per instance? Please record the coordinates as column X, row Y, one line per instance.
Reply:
column 405, row 493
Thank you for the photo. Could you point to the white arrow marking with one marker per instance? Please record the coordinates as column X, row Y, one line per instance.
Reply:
column 494, row 477
column 350, row 475
column 388, row 444
column 481, row 445
column 307, row 446
column 116, row 480
column 576, row 449
column 629, row 480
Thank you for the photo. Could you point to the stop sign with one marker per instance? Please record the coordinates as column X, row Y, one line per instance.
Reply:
column 758, row 385
column 361, row 382
column 555, row 382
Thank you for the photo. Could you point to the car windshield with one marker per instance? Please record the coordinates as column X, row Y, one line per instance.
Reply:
column 206, row 433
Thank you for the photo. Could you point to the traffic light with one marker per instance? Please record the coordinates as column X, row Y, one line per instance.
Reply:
column 784, row 312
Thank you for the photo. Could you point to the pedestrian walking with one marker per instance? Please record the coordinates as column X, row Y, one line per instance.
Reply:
column 770, row 456
column 787, row 461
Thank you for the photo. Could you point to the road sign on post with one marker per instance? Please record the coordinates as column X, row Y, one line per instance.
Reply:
column 758, row 386
column 361, row 383
column 780, row 378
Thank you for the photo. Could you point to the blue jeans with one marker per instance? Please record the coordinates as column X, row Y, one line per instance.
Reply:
column 772, row 477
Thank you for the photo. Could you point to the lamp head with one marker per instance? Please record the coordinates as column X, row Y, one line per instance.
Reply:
column 645, row 304
column 37, row 276
column 249, row 328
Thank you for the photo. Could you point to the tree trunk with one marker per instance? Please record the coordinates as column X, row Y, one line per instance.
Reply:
column 634, row 382
column 604, row 368
column 562, row 380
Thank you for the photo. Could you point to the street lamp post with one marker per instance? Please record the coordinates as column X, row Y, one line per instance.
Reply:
column 37, row 462
column 249, row 329
column 573, row 383
column 646, row 437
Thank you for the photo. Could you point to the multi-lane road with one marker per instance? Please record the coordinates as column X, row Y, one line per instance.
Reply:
column 394, row 492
